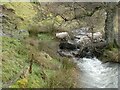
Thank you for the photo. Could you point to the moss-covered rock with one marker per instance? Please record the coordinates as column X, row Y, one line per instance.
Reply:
column 111, row 55
column 17, row 16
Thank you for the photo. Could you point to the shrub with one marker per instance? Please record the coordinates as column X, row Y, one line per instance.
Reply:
column 62, row 79
column 23, row 82
column 67, row 63
column 33, row 29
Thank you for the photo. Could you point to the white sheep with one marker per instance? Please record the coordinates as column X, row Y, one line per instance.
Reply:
column 83, row 40
column 96, row 35
column 62, row 35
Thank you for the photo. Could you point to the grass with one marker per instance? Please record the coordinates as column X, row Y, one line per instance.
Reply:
column 49, row 69
column 15, row 57
column 111, row 55
column 61, row 79
column 45, row 37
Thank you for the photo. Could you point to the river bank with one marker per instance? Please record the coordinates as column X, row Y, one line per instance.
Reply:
column 35, row 55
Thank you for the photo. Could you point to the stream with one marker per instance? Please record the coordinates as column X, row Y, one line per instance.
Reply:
column 95, row 74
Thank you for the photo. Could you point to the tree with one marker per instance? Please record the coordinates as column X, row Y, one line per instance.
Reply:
column 109, row 24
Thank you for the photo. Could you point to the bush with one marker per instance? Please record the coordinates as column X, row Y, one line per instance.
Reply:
column 23, row 82
column 111, row 55
column 67, row 63
column 33, row 29
column 62, row 79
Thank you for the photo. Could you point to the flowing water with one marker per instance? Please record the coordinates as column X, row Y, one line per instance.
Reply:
column 95, row 74
column 92, row 72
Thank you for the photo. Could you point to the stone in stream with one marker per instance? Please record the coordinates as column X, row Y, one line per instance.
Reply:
column 65, row 53
column 82, row 43
column 86, row 52
column 81, row 31
column 67, row 45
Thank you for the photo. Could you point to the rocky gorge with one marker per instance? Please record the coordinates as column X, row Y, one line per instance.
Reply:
column 74, row 41
column 85, row 48
column 82, row 42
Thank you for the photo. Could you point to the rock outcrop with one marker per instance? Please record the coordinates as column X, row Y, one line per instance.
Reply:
column 83, row 44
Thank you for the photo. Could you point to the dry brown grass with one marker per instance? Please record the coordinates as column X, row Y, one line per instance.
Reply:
column 50, row 47
column 45, row 55
column 62, row 79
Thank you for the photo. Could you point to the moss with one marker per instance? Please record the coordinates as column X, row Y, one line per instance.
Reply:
column 22, row 9
column 22, row 16
column 110, row 55
column 113, row 45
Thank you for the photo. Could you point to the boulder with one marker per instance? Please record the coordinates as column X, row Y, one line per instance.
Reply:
column 65, row 53
column 67, row 45
column 82, row 44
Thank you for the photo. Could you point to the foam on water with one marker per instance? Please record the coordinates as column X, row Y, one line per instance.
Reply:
column 95, row 74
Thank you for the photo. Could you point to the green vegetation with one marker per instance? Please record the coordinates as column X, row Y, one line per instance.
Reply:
column 23, row 10
column 48, row 67
column 45, row 37
column 14, row 56
column 46, row 71
column 110, row 54
column 18, row 15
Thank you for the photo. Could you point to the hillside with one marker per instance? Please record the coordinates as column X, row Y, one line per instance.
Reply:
column 30, row 57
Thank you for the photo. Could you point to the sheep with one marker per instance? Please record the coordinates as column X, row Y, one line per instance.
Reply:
column 62, row 35
column 96, row 36
column 83, row 40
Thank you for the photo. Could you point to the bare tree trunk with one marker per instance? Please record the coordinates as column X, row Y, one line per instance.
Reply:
column 119, row 25
column 109, row 25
